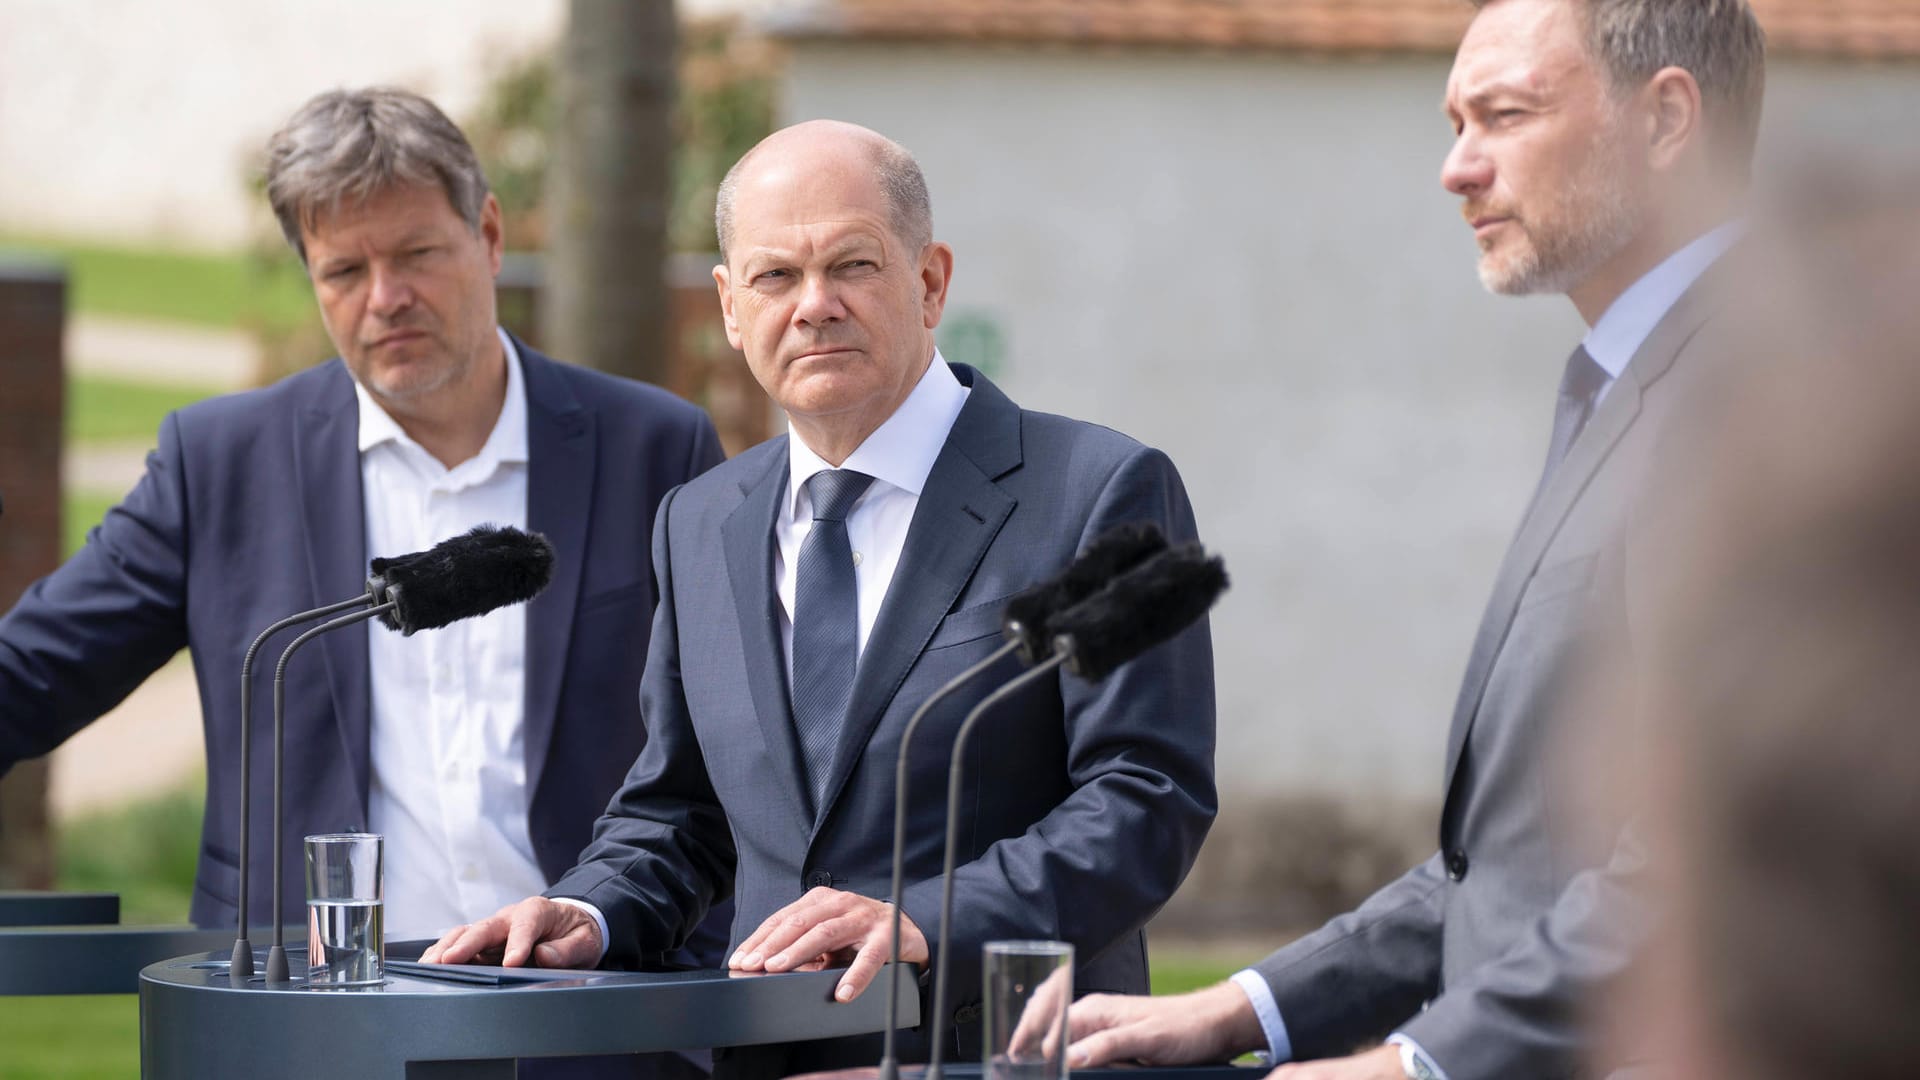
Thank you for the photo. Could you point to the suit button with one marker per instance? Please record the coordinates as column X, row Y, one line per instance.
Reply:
column 1457, row 865
column 966, row 1014
column 819, row 879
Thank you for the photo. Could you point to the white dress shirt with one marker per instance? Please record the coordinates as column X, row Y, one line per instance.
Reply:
column 1612, row 341
column 448, row 788
column 898, row 455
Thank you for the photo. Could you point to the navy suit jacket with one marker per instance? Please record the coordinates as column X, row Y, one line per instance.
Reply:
column 251, row 510
column 1085, row 804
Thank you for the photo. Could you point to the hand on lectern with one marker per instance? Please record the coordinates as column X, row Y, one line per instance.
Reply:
column 827, row 927
column 549, row 934
column 1212, row 1025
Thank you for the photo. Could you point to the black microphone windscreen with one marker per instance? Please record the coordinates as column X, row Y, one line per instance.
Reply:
column 1027, row 616
column 1139, row 609
column 461, row 577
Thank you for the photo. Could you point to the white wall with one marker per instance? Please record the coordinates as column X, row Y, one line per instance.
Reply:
column 136, row 120
column 1249, row 262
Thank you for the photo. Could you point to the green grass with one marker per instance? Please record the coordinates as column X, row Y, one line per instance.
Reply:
column 102, row 408
column 70, row 1038
column 145, row 851
column 205, row 289
column 79, row 513
column 1174, row 973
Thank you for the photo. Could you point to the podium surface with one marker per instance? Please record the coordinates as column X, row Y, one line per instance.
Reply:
column 196, row 1020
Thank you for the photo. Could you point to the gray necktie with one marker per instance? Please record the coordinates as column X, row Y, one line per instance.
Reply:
column 826, row 624
column 1579, row 392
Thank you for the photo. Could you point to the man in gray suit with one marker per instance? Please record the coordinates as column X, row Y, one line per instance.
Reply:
column 817, row 588
column 1601, row 146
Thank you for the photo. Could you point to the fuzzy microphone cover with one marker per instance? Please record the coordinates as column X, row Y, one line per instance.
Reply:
column 1112, row 552
column 1138, row 610
column 461, row 577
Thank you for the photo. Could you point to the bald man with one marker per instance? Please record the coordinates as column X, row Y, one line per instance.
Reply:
column 817, row 588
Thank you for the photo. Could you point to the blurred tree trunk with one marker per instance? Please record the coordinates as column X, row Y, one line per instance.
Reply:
column 26, row 836
column 605, row 304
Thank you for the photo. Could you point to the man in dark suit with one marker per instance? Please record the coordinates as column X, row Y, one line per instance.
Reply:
column 817, row 588
column 1601, row 150
column 483, row 752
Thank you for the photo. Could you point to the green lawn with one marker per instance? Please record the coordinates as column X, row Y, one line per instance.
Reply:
column 70, row 1038
column 100, row 408
column 207, row 289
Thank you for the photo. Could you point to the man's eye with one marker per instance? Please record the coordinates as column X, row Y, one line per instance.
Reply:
column 340, row 273
column 769, row 277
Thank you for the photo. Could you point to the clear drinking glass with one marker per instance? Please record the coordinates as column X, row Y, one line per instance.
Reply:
column 346, row 941
column 1029, row 985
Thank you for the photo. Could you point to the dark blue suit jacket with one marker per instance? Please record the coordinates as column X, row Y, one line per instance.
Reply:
column 1085, row 804
column 251, row 510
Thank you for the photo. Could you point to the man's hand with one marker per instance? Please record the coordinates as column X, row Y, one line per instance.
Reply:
column 1211, row 1025
column 828, row 927
column 551, row 935
column 1380, row 1063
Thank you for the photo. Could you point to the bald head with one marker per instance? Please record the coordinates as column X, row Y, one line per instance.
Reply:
column 830, row 147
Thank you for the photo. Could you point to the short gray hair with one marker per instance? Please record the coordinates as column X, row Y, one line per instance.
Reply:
column 1718, row 42
column 895, row 170
column 349, row 145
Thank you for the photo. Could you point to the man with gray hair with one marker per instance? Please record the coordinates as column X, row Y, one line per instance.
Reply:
column 483, row 752
column 1602, row 148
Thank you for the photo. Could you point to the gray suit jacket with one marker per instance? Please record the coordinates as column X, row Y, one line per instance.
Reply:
column 1503, row 933
column 1085, row 804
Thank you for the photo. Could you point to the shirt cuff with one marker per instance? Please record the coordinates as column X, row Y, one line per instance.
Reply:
column 1279, row 1046
column 1415, row 1060
column 599, row 920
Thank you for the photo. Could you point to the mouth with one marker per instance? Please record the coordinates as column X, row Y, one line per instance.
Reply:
column 398, row 337
column 815, row 354
column 1486, row 223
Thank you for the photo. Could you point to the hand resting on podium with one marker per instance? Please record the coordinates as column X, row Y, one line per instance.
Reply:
column 536, row 929
column 824, row 928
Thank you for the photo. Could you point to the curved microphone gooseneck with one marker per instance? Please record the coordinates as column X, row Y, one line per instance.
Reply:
column 277, row 955
column 242, row 963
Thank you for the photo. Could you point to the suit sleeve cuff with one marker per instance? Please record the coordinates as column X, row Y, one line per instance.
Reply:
column 1414, row 1059
column 599, row 921
column 1279, row 1046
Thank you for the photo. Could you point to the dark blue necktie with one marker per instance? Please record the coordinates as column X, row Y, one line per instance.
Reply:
column 826, row 624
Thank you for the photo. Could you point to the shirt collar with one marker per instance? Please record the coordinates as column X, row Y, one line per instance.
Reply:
column 507, row 443
column 1627, row 323
column 900, row 451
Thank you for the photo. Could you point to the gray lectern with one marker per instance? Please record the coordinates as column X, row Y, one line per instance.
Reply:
column 196, row 1020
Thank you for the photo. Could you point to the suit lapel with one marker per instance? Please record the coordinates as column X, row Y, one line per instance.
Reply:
column 960, row 512
column 1556, row 500
column 562, row 449
column 747, row 537
column 326, row 454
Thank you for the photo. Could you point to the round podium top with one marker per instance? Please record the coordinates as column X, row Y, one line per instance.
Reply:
column 198, row 1020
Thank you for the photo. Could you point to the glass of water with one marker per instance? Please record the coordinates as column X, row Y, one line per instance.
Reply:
column 1029, row 985
column 346, row 945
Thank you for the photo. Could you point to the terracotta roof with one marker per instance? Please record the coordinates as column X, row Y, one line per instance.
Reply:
column 1882, row 29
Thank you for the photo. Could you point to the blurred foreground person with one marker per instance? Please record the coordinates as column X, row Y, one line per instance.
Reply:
column 1777, row 670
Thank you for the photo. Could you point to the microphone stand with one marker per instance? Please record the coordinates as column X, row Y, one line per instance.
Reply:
column 889, row 1063
column 277, row 956
column 242, row 963
column 1063, row 650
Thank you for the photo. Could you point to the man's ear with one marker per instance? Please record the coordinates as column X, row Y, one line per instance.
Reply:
column 1674, row 116
column 936, row 272
column 493, row 232
column 723, row 281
